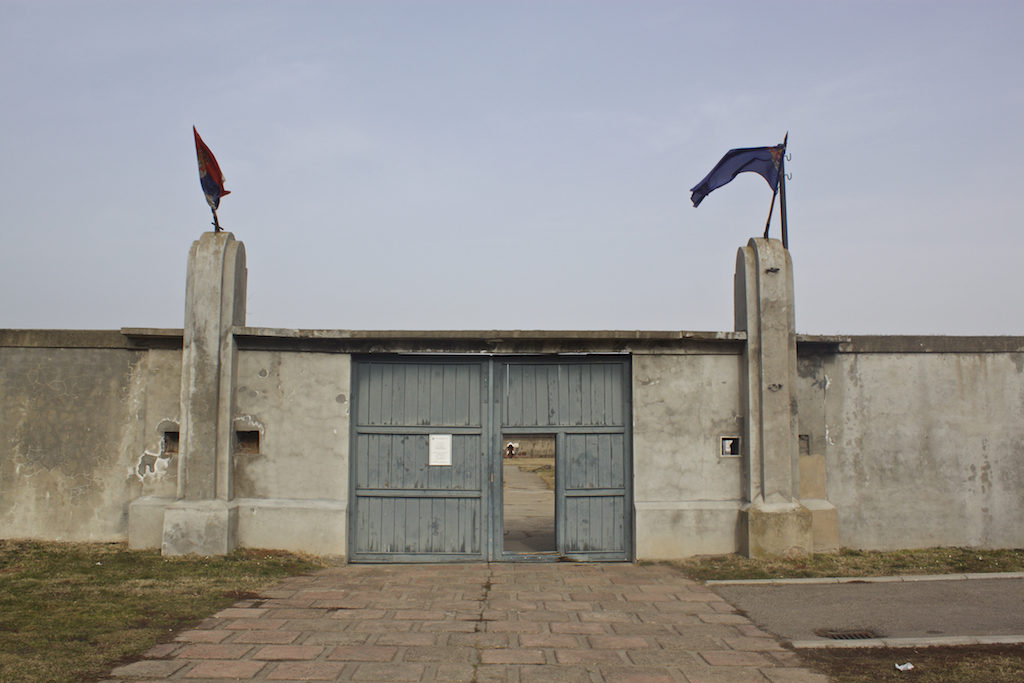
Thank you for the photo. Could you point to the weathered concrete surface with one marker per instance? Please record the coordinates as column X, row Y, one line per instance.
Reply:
column 214, row 303
column 512, row 622
column 77, row 424
column 924, row 449
column 774, row 522
column 199, row 527
column 778, row 529
column 687, row 495
column 201, row 521
column 293, row 492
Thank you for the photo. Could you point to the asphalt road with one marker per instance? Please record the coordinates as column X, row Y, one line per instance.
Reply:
column 909, row 608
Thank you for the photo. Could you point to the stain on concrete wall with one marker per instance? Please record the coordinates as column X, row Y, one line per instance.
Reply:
column 927, row 449
column 298, row 402
column 74, row 426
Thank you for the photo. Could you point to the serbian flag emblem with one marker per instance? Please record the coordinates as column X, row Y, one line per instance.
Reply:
column 210, row 175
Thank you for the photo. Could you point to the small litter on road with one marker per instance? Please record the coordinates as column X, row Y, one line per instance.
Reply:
column 904, row 667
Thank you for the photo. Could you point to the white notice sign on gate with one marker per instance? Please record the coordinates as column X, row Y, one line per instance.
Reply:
column 440, row 450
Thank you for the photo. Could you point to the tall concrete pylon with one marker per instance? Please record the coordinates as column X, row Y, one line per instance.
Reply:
column 774, row 521
column 202, row 520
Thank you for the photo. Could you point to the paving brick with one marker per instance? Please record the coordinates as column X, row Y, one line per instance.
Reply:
column 241, row 613
column 673, row 658
column 161, row 650
column 203, row 636
column 161, row 668
column 297, row 613
column 358, row 614
column 288, row 652
column 644, row 629
column 636, row 674
column 564, row 622
column 566, row 606
column 248, row 624
column 419, row 615
column 388, row 672
column 543, row 615
column 724, row 619
column 266, row 637
column 363, row 653
column 512, row 656
column 733, row 658
column 606, row 617
column 496, row 673
column 582, row 629
column 554, row 673
column 336, row 638
column 455, row 673
column 306, row 671
column 448, row 654
column 409, row 639
column 480, row 640
column 223, row 669
column 587, row 656
column 453, row 626
column 548, row 640
column 208, row 651
column 514, row 627
column 619, row 642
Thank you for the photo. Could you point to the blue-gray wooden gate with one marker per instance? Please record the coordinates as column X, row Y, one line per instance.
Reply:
column 403, row 509
column 585, row 404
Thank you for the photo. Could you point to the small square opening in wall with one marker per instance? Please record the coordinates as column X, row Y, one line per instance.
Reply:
column 805, row 444
column 248, row 442
column 731, row 447
column 170, row 443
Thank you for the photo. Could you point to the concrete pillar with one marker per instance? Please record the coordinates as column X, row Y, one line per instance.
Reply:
column 202, row 521
column 774, row 521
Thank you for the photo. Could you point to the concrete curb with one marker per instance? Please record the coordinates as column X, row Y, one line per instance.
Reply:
column 908, row 642
column 909, row 578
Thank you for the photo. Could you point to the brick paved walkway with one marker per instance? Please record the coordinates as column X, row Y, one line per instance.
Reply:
column 499, row 622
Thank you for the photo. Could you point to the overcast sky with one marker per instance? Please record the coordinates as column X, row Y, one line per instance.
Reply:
column 513, row 165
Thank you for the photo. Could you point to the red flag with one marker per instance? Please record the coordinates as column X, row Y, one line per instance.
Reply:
column 210, row 176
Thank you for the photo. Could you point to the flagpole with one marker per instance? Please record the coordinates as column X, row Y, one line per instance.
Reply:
column 768, row 223
column 782, row 198
column 216, row 223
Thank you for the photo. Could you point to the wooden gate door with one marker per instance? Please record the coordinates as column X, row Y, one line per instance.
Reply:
column 585, row 404
column 420, row 460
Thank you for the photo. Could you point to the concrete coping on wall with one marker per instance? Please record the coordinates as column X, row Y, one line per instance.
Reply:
column 499, row 341
column 908, row 344
column 488, row 341
column 126, row 338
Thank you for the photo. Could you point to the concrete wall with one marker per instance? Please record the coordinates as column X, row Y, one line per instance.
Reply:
column 293, row 492
column 916, row 442
column 687, row 495
column 921, row 448
column 82, row 434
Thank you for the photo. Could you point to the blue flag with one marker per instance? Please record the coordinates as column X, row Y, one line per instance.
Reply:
column 763, row 160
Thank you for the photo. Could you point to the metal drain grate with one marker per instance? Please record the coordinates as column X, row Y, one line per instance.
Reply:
column 860, row 634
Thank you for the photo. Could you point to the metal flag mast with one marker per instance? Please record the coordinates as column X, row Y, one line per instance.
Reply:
column 780, row 190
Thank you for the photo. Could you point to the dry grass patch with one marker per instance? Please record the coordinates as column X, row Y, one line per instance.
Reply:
column 988, row 663
column 849, row 562
column 71, row 611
